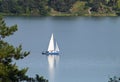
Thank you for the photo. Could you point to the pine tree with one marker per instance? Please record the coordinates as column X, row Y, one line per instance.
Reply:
column 10, row 72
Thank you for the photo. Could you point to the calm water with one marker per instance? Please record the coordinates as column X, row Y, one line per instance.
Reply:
column 90, row 47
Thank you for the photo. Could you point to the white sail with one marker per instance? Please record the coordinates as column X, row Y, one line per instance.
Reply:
column 57, row 48
column 51, row 44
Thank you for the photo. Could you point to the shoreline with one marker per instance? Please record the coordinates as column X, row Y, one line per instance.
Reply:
column 61, row 14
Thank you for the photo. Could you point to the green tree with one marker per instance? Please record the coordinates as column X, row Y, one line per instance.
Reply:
column 10, row 72
column 114, row 79
column 42, row 6
column 118, row 4
column 61, row 5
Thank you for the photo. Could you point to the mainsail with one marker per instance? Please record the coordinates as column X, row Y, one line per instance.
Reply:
column 51, row 44
column 52, row 47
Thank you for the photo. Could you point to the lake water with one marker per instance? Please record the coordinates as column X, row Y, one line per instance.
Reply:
column 90, row 47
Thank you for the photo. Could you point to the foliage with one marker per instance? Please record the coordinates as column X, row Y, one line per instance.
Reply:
column 29, row 7
column 114, row 79
column 79, row 8
column 46, row 7
column 61, row 5
column 10, row 72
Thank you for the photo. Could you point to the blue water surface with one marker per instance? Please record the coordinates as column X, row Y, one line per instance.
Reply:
column 90, row 47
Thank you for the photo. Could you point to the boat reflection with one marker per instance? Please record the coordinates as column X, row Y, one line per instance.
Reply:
column 53, row 61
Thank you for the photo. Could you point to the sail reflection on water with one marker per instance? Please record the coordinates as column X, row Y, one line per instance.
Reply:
column 53, row 61
column 52, row 54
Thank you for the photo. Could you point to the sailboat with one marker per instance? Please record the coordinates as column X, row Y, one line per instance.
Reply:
column 53, row 48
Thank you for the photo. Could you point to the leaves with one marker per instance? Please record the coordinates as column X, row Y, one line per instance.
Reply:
column 114, row 79
column 28, row 7
column 6, row 31
column 18, row 54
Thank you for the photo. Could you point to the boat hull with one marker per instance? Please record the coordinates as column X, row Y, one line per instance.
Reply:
column 50, row 53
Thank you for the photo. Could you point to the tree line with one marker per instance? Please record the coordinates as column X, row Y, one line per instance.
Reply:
column 33, row 7
column 43, row 7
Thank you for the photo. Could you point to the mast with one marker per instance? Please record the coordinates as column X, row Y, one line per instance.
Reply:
column 51, row 43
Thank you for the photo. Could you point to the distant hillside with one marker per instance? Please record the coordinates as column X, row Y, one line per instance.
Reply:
column 60, row 7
